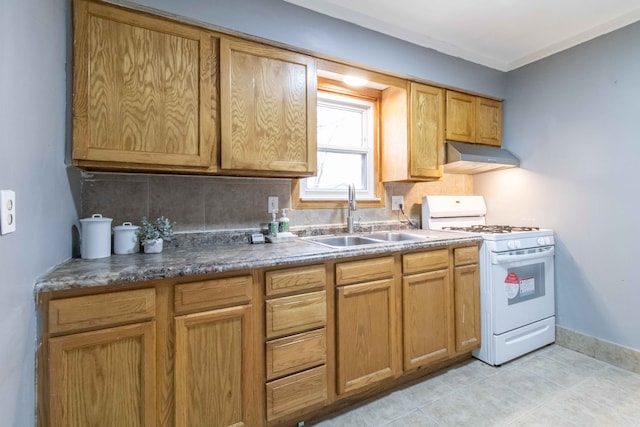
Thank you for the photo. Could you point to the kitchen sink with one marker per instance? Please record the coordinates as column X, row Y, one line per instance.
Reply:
column 343, row 241
column 396, row 236
column 369, row 239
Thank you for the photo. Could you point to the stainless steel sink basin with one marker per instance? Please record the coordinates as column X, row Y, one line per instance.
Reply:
column 396, row 236
column 344, row 241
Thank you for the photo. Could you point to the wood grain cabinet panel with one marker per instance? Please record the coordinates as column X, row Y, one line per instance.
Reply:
column 412, row 125
column 426, row 311
column 144, row 90
column 427, row 131
column 295, row 280
column 214, row 368
column 104, row 377
column 473, row 119
column 300, row 391
column 365, row 270
column 465, row 256
column 298, row 313
column 425, row 261
column 91, row 311
column 467, row 307
column 488, row 121
column 210, row 294
column 268, row 109
column 366, row 335
column 461, row 117
column 295, row 353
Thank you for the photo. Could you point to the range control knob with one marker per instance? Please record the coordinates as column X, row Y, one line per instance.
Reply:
column 511, row 244
column 540, row 241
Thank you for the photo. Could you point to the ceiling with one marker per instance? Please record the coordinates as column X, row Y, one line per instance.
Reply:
column 501, row 34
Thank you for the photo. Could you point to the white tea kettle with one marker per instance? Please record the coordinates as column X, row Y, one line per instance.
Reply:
column 96, row 237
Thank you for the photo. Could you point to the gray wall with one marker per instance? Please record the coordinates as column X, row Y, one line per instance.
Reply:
column 574, row 121
column 33, row 103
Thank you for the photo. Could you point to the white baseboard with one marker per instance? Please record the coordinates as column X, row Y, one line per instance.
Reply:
column 614, row 354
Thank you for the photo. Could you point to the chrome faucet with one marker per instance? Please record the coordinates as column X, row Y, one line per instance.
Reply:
column 352, row 207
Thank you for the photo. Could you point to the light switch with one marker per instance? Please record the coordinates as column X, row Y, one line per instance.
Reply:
column 7, row 212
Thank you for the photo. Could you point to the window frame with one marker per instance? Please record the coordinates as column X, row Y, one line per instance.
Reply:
column 378, row 201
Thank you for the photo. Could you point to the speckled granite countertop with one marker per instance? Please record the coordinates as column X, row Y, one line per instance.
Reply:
column 210, row 257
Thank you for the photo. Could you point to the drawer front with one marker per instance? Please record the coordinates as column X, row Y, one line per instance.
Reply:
column 465, row 256
column 296, row 353
column 296, row 392
column 71, row 314
column 364, row 271
column 295, row 280
column 209, row 294
column 425, row 261
column 298, row 313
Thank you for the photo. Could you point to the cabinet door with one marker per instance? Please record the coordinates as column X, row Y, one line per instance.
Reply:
column 427, row 131
column 461, row 117
column 426, row 318
column 488, row 121
column 104, row 377
column 142, row 89
column 367, row 336
column 467, row 307
column 268, row 109
column 213, row 368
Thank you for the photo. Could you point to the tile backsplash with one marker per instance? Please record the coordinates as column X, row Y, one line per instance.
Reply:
column 212, row 203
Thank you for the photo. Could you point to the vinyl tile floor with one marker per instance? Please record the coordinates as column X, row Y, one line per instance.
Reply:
column 553, row 386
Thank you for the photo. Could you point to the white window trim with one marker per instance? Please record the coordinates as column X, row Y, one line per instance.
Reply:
column 368, row 193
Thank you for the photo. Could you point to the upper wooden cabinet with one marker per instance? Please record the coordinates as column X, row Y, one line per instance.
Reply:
column 144, row 90
column 473, row 119
column 413, row 133
column 268, row 110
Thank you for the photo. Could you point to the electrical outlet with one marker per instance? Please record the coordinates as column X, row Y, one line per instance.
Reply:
column 396, row 202
column 7, row 212
column 273, row 203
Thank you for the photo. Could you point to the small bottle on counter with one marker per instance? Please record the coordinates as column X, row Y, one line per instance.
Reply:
column 283, row 226
column 273, row 224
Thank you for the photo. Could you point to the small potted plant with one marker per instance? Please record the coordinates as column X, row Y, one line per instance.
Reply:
column 151, row 234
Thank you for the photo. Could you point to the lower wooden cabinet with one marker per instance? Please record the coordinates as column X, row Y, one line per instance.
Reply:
column 104, row 377
column 215, row 352
column 367, row 341
column 426, row 313
column 213, row 368
column 467, row 299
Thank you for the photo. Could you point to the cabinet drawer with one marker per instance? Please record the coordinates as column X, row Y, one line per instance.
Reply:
column 71, row 314
column 296, row 392
column 465, row 256
column 295, row 279
column 296, row 353
column 425, row 261
column 298, row 313
column 209, row 294
column 364, row 271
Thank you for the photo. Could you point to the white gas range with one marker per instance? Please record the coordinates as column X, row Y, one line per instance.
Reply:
column 517, row 293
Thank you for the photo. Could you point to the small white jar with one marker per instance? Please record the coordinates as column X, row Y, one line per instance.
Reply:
column 95, row 241
column 125, row 239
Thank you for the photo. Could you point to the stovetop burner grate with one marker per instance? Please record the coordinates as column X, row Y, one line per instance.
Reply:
column 494, row 229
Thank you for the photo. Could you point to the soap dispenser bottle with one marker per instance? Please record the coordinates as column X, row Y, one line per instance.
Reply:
column 273, row 224
column 283, row 226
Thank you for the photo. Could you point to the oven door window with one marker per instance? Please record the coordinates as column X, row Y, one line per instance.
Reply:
column 524, row 283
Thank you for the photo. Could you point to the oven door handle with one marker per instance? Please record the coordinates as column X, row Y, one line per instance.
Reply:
column 507, row 257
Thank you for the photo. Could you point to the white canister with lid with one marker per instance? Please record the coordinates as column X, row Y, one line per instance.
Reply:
column 125, row 239
column 96, row 237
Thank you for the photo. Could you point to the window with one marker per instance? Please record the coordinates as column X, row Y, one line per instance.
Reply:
column 346, row 149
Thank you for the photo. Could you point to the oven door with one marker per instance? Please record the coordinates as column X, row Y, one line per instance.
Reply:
column 522, row 287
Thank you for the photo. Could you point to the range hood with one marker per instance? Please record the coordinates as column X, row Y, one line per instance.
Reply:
column 475, row 158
